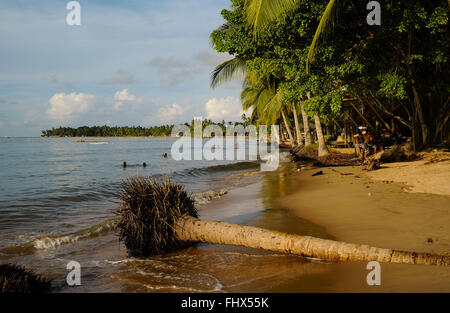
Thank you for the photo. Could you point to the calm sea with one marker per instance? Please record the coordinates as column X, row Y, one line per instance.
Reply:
column 57, row 203
column 51, row 186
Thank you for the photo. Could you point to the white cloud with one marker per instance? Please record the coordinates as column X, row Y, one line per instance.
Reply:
column 123, row 97
column 64, row 107
column 171, row 113
column 229, row 109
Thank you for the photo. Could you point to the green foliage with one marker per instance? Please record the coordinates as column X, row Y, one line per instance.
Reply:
column 393, row 85
column 401, row 65
column 108, row 131
column 133, row 131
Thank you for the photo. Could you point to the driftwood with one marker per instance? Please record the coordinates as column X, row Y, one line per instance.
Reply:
column 310, row 154
column 157, row 217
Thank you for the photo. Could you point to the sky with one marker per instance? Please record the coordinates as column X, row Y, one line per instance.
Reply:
column 134, row 62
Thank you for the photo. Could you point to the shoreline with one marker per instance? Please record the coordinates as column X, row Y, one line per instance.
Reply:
column 355, row 208
column 337, row 205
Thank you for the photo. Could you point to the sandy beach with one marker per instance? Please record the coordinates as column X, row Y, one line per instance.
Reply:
column 354, row 207
column 349, row 204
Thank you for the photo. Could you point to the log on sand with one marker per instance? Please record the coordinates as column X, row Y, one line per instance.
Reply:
column 158, row 216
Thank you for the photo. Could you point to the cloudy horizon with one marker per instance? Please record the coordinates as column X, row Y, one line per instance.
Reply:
column 135, row 63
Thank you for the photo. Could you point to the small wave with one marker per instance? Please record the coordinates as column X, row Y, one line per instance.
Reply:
column 52, row 242
column 238, row 166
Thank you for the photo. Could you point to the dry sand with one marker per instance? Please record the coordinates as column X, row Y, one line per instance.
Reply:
column 336, row 205
column 355, row 208
column 429, row 175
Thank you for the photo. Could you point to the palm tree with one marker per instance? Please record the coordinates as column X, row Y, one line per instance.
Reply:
column 308, row 140
column 323, row 150
column 297, row 126
column 261, row 13
column 265, row 96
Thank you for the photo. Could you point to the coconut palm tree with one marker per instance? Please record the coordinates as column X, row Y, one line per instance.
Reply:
column 308, row 140
column 265, row 96
column 261, row 13
column 297, row 126
column 323, row 150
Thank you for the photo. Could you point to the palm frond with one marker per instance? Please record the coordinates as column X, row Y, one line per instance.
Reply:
column 227, row 71
column 261, row 13
column 325, row 24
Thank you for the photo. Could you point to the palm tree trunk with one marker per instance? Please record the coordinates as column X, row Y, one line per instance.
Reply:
column 323, row 150
column 190, row 229
column 297, row 125
column 305, row 125
column 291, row 138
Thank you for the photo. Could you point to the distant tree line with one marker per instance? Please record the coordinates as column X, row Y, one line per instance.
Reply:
column 108, row 131
column 127, row 131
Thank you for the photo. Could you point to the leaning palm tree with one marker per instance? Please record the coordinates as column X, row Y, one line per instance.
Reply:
column 298, row 132
column 323, row 150
column 265, row 97
column 261, row 13
column 308, row 140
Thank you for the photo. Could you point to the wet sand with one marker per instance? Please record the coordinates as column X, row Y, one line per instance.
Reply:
column 343, row 204
column 327, row 206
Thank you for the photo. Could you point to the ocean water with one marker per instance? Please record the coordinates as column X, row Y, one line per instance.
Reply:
column 52, row 186
column 57, row 198
column 57, row 203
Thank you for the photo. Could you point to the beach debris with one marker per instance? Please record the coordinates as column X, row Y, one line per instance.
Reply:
column 317, row 173
column 309, row 153
column 430, row 240
column 208, row 196
column 17, row 279
column 371, row 164
column 400, row 153
column 157, row 216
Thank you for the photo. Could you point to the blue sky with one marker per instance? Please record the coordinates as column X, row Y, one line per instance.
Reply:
column 128, row 63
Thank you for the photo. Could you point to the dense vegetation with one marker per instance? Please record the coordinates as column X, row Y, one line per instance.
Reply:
column 320, row 59
column 133, row 131
column 108, row 131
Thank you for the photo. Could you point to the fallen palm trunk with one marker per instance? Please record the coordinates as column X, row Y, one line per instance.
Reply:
column 190, row 229
column 157, row 217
